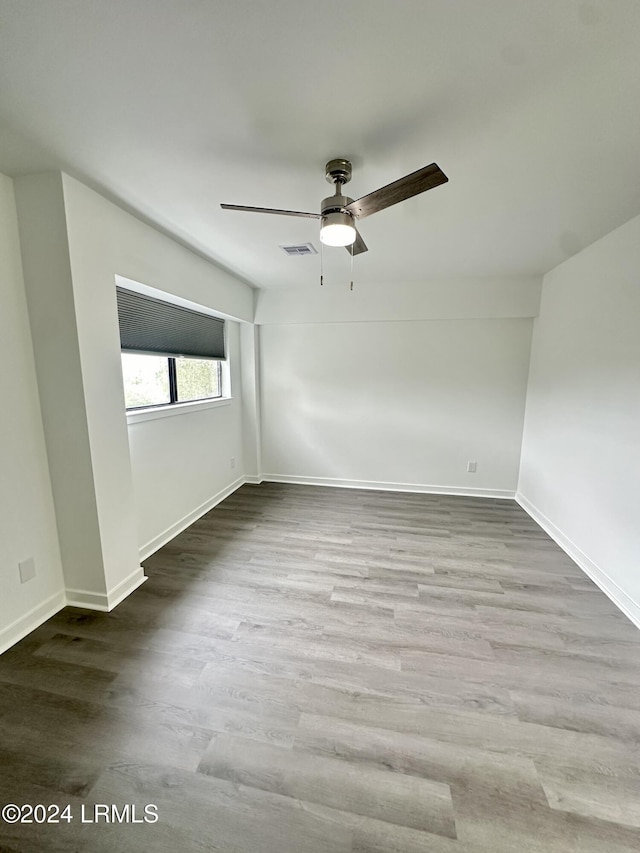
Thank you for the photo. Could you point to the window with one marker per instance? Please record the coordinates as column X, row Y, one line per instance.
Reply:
column 146, row 380
column 170, row 353
column 197, row 379
column 151, row 380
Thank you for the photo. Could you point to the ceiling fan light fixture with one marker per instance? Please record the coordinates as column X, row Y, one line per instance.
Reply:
column 339, row 213
column 337, row 229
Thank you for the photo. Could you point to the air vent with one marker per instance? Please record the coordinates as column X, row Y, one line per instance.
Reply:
column 300, row 249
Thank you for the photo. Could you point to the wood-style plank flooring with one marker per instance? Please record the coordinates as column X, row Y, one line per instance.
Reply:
column 316, row 670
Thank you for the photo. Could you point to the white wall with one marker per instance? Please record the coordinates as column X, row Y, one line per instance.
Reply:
column 52, row 315
column 250, row 397
column 74, row 244
column 104, row 241
column 27, row 520
column 580, row 472
column 451, row 299
column 181, row 464
column 396, row 405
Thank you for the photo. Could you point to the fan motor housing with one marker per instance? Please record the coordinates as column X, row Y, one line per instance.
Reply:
column 334, row 203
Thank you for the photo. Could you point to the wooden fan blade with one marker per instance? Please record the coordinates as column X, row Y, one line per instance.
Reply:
column 358, row 246
column 269, row 210
column 404, row 188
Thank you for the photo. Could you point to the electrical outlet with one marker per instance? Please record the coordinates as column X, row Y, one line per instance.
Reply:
column 27, row 569
column 472, row 467
column 233, row 461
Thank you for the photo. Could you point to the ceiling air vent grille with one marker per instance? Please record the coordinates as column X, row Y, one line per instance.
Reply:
column 299, row 249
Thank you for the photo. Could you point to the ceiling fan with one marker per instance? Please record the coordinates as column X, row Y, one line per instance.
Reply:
column 339, row 213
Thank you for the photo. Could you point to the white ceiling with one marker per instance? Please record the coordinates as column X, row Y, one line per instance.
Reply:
column 170, row 107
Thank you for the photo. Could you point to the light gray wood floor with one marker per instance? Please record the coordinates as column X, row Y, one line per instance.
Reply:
column 336, row 671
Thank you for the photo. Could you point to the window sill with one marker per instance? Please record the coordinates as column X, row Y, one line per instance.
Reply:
column 136, row 416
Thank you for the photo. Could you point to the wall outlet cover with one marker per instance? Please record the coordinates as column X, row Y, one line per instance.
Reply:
column 27, row 569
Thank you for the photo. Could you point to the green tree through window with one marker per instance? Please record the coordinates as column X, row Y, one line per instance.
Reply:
column 151, row 380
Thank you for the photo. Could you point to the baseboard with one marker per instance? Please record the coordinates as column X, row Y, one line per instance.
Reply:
column 88, row 600
column 125, row 587
column 383, row 486
column 108, row 600
column 167, row 535
column 19, row 629
column 618, row 596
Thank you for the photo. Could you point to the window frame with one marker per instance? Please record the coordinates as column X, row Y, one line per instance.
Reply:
column 174, row 403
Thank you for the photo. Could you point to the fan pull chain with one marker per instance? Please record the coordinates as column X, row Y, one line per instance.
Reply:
column 321, row 263
column 351, row 253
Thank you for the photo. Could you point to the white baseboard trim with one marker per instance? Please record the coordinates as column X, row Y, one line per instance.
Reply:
column 19, row 629
column 106, row 601
column 623, row 602
column 88, row 600
column 126, row 587
column 417, row 488
column 182, row 524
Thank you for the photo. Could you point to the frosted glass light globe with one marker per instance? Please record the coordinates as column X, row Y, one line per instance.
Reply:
column 337, row 229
